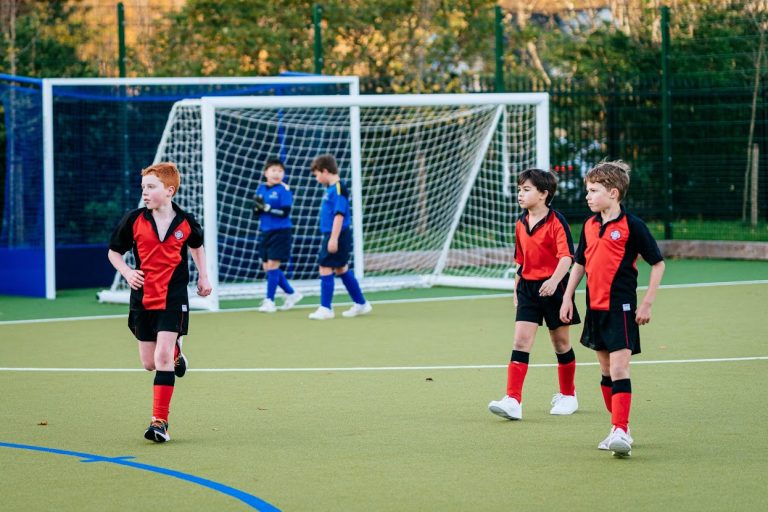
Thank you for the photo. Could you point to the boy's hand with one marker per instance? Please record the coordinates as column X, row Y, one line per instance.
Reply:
column 566, row 310
column 333, row 245
column 259, row 205
column 643, row 314
column 514, row 296
column 548, row 288
column 135, row 278
column 204, row 287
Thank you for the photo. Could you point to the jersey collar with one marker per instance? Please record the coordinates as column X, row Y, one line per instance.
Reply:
column 539, row 224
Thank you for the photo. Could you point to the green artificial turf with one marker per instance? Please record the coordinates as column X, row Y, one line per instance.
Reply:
column 349, row 429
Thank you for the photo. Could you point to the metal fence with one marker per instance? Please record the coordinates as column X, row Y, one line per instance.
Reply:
column 714, row 183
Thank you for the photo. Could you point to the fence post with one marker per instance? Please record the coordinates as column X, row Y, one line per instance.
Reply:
column 124, row 164
column 612, row 119
column 317, row 18
column 754, row 189
column 499, row 50
column 121, row 38
column 666, row 124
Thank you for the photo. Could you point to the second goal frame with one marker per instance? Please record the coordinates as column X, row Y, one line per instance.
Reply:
column 210, row 107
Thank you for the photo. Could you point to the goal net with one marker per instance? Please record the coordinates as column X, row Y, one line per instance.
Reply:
column 432, row 180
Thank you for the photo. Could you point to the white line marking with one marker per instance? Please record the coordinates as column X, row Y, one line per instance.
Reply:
column 389, row 301
column 378, row 368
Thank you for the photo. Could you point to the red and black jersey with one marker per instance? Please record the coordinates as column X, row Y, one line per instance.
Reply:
column 538, row 248
column 609, row 254
column 164, row 262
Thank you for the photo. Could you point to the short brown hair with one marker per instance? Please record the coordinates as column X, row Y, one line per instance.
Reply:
column 167, row 172
column 327, row 162
column 610, row 175
column 543, row 181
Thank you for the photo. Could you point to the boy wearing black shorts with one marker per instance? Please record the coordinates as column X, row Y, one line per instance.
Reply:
column 159, row 235
column 543, row 253
column 611, row 240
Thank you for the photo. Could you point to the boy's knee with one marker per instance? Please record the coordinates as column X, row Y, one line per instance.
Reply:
column 150, row 367
column 523, row 344
column 561, row 346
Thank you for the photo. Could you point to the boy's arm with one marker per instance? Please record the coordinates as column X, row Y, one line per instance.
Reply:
column 134, row 278
column 549, row 286
column 514, row 293
column 204, row 287
column 333, row 240
column 566, row 309
column 643, row 313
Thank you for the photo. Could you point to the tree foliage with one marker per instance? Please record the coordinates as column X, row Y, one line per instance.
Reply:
column 41, row 38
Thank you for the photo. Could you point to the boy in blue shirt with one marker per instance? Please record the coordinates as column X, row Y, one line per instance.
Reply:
column 272, row 205
column 336, row 247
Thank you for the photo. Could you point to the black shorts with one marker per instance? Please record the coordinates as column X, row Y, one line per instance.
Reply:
column 341, row 256
column 532, row 307
column 145, row 324
column 611, row 331
column 276, row 245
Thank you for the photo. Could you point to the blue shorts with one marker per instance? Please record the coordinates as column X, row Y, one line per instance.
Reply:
column 532, row 307
column 341, row 257
column 145, row 324
column 611, row 330
column 275, row 245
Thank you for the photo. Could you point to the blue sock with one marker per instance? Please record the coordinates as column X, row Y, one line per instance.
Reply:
column 273, row 277
column 353, row 287
column 326, row 290
column 283, row 283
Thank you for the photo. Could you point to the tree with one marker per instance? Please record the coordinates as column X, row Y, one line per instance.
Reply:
column 41, row 38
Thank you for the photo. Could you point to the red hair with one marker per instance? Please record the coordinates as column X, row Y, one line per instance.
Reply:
column 167, row 172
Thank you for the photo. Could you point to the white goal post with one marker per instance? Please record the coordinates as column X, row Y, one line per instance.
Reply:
column 432, row 181
column 97, row 133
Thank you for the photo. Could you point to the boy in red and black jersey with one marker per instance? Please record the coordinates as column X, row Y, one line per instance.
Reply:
column 610, row 243
column 159, row 235
column 544, row 253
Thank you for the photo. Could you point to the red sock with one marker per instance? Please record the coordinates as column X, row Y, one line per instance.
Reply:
column 515, row 377
column 606, row 386
column 621, row 404
column 607, row 396
column 565, row 375
column 163, row 391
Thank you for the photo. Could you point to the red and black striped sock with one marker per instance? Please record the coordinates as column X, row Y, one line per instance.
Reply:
column 566, row 372
column 163, row 391
column 606, row 386
column 621, row 403
column 518, row 367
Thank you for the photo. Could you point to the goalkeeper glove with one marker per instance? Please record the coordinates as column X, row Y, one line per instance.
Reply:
column 258, row 205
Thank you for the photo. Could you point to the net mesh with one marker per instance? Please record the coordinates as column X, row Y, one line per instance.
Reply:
column 438, row 186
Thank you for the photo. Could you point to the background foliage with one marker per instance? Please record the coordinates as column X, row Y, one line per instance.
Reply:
column 600, row 62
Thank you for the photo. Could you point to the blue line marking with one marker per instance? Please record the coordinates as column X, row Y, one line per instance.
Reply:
column 249, row 499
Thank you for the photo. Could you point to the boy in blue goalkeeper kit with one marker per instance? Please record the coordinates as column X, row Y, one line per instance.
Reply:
column 336, row 247
column 272, row 205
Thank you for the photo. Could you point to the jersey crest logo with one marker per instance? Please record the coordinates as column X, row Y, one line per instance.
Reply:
column 179, row 234
column 615, row 234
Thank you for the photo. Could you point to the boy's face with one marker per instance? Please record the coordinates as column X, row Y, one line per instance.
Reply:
column 154, row 193
column 529, row 196
column 600, row 198
column 321, row 175
column 274, row 174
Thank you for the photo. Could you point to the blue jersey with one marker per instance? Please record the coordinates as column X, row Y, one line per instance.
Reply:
column 335, row 202
column 280, row 199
